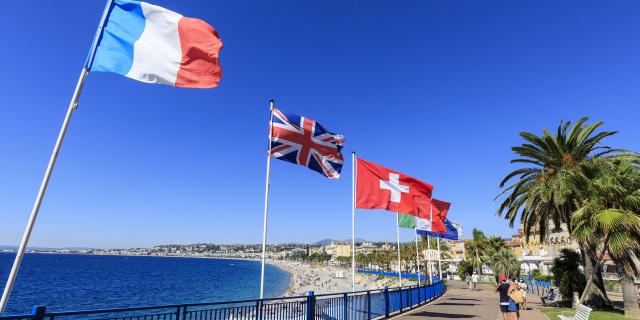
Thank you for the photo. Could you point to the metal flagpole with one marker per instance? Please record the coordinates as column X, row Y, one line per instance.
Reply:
column 439, row 260
column 353, row 221
column 429, row 242
column 429, row 258
column 266, row 202
column 52, row 162
column 417, row 258
column 399, row 260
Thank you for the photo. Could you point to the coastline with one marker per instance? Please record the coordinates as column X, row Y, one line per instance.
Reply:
column 303, row 277
column 323, row 279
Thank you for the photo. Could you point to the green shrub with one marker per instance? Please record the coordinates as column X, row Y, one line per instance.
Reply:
column 543, row 278
column 566, row 270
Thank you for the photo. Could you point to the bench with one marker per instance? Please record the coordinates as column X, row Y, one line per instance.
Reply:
column 582, row 313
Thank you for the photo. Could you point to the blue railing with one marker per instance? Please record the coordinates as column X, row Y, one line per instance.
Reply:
column 393, row 274
column 359, row 305
column 541, row 288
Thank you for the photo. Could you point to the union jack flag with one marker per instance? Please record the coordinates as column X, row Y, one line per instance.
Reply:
column 303, row 141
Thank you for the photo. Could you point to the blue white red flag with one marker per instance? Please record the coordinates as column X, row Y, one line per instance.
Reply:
column 305, row 142
column 152, row 44
column 453, row 230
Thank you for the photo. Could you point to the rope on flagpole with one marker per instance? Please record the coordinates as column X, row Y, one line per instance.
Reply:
column 353, row 221
column 266, row 202
column 75, row 98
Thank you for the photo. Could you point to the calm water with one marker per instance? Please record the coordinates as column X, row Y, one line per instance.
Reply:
column 76, row 282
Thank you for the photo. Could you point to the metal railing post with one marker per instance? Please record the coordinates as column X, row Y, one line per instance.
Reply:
column 368, row 304
column 184, row 312
column 386, row 301
column 311, row 305
column 259, row 309
column 419, row 300
column 345, row 306
column 178, row 313
column 38, row 312
column 400, row 295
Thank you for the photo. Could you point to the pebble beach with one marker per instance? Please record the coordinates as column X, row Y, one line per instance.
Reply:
column 321, row 279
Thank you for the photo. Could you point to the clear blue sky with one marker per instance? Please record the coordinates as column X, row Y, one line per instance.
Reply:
column 436, row 89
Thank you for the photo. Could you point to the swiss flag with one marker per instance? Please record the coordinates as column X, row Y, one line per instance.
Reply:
column 439, row 210
column 380, row 188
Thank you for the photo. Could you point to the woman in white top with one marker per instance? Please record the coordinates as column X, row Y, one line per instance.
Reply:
column 523, row 291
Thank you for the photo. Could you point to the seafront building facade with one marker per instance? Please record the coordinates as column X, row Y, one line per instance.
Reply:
column 533, row 253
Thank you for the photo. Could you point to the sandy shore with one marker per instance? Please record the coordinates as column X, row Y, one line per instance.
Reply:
column 323, row 279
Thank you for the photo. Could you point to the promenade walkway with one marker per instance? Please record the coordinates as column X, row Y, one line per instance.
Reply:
column 461, row 303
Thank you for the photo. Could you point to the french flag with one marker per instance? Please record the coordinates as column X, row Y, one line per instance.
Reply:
column 151, row 44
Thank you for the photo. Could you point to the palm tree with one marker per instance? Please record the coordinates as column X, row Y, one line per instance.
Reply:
column 609, row 220
column 566, row 273
column 475, row 250
column 493, row 246
column 544, row 191
column 505, row 261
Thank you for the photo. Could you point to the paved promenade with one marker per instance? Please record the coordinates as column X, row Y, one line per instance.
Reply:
column 461, row 303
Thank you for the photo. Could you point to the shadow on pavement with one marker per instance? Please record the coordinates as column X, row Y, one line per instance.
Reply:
column 442, row 315
column 455, row 304
column 464, row 299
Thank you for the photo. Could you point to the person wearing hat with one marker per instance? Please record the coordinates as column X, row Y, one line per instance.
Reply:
column 505, row 302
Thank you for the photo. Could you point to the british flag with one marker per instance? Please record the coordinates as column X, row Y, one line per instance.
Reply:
column 303, row 141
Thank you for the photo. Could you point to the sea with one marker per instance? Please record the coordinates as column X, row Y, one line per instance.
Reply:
column 79, row 282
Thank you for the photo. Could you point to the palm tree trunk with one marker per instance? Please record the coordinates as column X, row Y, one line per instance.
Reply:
column 594, row 293
column 630, row 296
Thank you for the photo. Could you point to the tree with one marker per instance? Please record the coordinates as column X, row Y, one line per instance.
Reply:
column 566, row 273
column 544, row 191
column 492, row 247
column 505, row 261
column 608, row 220
column 464, row 269
column 475, row 250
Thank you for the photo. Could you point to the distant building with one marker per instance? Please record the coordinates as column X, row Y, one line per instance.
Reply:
column 343, row 250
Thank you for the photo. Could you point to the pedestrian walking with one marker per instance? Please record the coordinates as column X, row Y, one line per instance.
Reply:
column 503, row 291
column 508, row 306
column 523, row 291
column 474, row 280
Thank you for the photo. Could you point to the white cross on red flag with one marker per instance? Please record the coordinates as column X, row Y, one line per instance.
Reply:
column 378, row 187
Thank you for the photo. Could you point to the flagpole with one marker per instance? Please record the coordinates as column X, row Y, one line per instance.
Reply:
column 266, row 202
column 429, row 259
column 353, row 221
column 429, row 243
column 399, row 260
column 417, row 258
column 75, row 98
column 439, row 260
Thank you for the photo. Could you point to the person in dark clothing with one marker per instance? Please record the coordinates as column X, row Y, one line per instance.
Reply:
column 503, row 289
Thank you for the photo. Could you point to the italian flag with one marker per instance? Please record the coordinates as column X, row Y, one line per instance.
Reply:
column 407, row 221
column 412, row 222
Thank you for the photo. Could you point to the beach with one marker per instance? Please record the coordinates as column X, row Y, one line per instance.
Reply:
column 321, row 279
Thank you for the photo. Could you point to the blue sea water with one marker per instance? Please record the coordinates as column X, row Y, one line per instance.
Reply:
column 79, row 282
